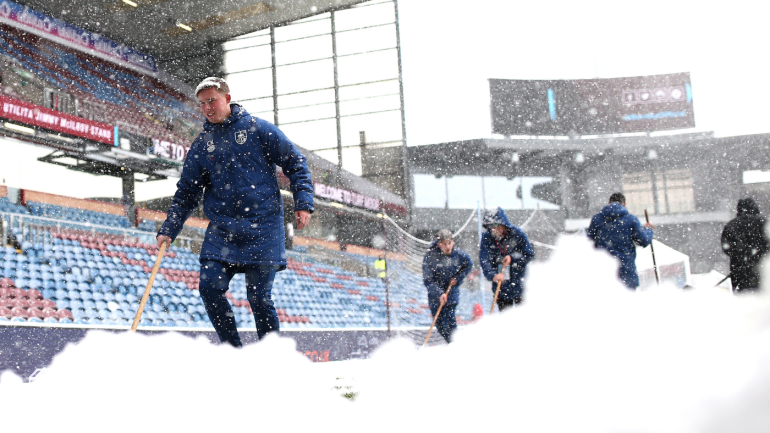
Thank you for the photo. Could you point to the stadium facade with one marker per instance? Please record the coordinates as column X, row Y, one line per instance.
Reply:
column 688, row 183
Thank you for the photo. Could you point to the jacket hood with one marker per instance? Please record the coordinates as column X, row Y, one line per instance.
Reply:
column 496, row 217
column 237, row 112
column 747, row 206
column 613, row 212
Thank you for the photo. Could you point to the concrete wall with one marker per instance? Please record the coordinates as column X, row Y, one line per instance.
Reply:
column 384, row 166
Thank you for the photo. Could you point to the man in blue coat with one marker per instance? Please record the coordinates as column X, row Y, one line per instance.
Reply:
column 232, row 167
column 444, row 268
column 504, row 245
column 616, row 230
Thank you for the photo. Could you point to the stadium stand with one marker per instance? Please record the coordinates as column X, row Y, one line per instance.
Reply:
column 80, row 215
column 105, row 92
column 66, row 271
column 73, row 261
column 7, row 206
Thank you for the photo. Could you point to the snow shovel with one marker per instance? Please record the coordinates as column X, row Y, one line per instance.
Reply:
column 723, row 280
column 436, row 318
column 652, row 249
column 459, row 271
column 149, row 286
column 497, row 292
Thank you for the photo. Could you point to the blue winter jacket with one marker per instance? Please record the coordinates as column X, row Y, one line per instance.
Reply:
column 492, row 251
column 438, row 268
column 616, row 230
column 232, row 166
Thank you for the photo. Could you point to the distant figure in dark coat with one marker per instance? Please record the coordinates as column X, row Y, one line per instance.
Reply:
column 231, row 167
column 616, row 230
column 444, row 266
column 504, row 245
column 744, row 240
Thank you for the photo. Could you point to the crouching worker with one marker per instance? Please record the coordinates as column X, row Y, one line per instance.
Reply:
column 504, row 246
column 232, row 167
column 443, row 269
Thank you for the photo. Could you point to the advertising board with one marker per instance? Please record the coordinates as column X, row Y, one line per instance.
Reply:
column 586, row 107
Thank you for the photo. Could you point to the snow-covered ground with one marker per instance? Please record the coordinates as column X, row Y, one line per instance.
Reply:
column 582, row 355
column 711, row 281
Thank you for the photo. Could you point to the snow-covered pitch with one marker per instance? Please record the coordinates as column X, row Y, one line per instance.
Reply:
column 583, row 354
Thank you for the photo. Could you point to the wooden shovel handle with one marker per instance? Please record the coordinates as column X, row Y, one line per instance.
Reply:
column 149, row 286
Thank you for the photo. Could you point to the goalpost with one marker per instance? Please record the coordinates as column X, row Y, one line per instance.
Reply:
column 407, row 303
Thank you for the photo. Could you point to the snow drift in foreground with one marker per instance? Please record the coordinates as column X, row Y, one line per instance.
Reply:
column 582, row 355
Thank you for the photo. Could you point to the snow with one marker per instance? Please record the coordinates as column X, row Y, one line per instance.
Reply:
column 583, row 354
column 710, row 280
column 207, row 83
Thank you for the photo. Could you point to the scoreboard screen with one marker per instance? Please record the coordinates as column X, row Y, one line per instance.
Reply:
column 586, row 107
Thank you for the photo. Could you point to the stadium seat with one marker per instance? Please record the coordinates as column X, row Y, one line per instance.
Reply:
column 19, row 312
column 64, row 314
column 36, row 313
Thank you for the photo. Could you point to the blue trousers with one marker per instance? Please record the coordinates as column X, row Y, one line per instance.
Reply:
column 447, row 320
column 215, row 281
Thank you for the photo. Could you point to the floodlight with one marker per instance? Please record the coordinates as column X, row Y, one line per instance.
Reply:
column 19, row 128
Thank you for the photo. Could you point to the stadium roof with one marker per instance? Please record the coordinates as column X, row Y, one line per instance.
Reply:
column 156, row 27
column 541, row 156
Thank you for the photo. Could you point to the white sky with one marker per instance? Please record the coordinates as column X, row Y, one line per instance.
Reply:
column 451, row 48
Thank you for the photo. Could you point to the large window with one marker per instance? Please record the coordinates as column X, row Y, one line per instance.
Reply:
column 672, row 192
column 324, row 79
column 430, row 191
column 756, row 176
column 637, row 187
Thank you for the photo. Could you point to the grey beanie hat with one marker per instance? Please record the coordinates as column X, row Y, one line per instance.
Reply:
column 444, row 234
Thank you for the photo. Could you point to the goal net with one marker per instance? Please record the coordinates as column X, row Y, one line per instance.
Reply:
column 407, row 301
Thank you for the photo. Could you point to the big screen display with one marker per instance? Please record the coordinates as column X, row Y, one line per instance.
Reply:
column 588, row 107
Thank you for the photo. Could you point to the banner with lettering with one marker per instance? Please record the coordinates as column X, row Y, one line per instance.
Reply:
column 344, row 196
column 31, row 114
column 170, row 150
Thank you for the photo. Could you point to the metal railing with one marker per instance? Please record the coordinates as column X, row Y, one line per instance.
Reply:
column 33, row 229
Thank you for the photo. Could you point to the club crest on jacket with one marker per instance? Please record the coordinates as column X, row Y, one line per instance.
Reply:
column 210, row 146
column 240, row 136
